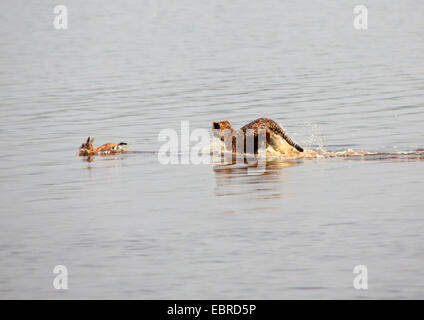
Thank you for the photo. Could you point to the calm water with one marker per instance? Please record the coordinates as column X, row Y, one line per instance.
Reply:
column 130, row 227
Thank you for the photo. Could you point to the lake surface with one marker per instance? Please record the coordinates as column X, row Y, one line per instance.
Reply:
column 130, row 227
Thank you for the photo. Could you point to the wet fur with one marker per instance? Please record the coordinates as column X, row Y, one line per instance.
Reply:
column 277, row 140
column 87, row 148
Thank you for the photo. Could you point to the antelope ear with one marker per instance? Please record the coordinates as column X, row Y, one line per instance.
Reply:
column 88, row 139
column 215, row 125
column 92, row 139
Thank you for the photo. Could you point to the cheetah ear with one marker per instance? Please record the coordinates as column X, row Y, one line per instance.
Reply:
column 215, row 125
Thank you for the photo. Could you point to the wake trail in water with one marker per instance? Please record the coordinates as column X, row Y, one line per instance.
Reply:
column 217, row 147
column 349, row 153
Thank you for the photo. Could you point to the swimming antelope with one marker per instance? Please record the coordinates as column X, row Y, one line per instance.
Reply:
column 87, row 149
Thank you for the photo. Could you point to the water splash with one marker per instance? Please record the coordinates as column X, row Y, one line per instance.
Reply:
column 217, row 147
column 314, row 136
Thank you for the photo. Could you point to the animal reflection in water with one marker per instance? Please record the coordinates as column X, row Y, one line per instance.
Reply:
column 105, row 158
column 236, row 178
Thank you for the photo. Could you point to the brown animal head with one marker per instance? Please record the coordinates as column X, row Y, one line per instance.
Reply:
column 221, row 128
column 87, row 147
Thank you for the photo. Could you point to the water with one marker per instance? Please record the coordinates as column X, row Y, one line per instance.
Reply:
column 130, row 227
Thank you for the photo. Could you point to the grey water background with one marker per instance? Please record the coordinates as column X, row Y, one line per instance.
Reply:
column 130, row 227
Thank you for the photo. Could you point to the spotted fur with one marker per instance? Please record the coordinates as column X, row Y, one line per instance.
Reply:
column 276, row 137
